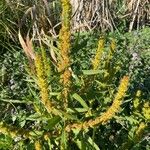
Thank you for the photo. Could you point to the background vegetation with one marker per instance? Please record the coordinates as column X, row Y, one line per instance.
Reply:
column 74, row 81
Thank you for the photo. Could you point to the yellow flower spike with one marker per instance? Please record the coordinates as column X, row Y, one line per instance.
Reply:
column 139, row 132
column 37, row 145
column 47, row 66
column 110, row 70
column 5, row 130
column 97, row 59
column 13, row 132
column 65, row 46
column 122, row 88
column 138, row 94
column 112, row 50
column 112, row 110
column 66, row 12
column 46, row 137
column 136, row 101
column 136, row 139
column 146, row 110
column 42, row 83
column 64, row 77
column 65, row 36
column 113, row 45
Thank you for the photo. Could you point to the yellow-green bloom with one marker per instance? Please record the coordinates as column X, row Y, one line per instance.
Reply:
column 13, row 132
column 139, row 132
column 65, row 46
column 65, row 36
column 37, row 145
column 137, row 137
column 47, row 67
column 97, row 59
column 112, row 110
column 113, row 45
column 146, row 110
column 136, row 101
column 111, row 52
column 42, row 83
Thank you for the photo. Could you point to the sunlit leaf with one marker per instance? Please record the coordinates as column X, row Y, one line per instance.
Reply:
column 92, row 72
column 80, row 100
column 52, row 122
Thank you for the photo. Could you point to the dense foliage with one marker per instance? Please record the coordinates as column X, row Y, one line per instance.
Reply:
column 84, row 90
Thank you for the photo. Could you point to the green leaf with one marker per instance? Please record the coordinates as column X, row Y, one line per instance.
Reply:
column 36, row 133
column 35, row 117
column 101, row 84
column 132, row 132
column 55, row 93
column 14, row 117
column 64, row 140
column 68, row 116
column 22, row 123
column 74, row 110
column 79, row 144
column 80, row 100
column 52, row 122
column 131, row 120
column 92, row 143
column 16, row 101
column 92, row 72
column 6, row 142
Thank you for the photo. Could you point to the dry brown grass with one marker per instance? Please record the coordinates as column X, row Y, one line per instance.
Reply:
column 105, row 14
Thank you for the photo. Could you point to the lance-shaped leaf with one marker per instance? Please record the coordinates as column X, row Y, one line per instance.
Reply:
column 27, row 46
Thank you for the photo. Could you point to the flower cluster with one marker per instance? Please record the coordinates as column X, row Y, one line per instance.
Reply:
column 114, row 108
column 46, row 64
column 111, row 52
column 136, row 101
column 65, row 46
column 146, row 110
column 98, row 55
column 13, row 132
column 37, row 145
column 139, row 131
column 42, row 83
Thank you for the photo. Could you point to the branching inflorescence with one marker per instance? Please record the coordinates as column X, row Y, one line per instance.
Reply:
column 112, row 110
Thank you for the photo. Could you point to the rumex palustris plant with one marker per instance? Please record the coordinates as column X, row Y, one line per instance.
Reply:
column 38, row 60
column 58, row 123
